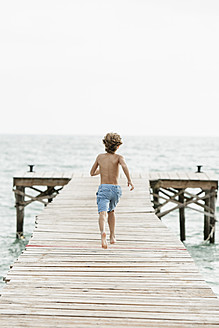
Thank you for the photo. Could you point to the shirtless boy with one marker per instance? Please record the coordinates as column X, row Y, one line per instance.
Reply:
column 109, row 192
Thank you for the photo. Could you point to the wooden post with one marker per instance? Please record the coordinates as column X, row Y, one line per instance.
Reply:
column 182, row 217
column 207, row 227
column 20, row 211
column 156, row 200
column 212, row 219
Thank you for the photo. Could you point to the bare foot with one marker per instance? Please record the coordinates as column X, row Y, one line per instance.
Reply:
column 112, row 240
column 103, row 239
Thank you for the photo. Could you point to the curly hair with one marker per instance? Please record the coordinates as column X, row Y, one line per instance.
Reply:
column 111, row 142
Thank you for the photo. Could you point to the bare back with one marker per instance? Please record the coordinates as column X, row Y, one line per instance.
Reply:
column 107, row 165
column 109, row 168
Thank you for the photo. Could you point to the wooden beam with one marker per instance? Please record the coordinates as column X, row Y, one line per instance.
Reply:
column 183, row 184
column 48, row 195
column 156, row 200
column 19, row 196
column 189, row 200
column 50, row 182
column 212, row 220
column 182, row 216
column 176, row 193
column 206, row 216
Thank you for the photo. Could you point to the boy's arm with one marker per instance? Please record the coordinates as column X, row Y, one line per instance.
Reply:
column 94, row 170
column 126, row 171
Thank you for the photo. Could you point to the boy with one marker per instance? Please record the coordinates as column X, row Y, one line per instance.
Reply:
column 109, row 192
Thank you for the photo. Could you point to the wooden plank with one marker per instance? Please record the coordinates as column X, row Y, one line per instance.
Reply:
column 184, row 180
column 51, row 182
column 183, row 184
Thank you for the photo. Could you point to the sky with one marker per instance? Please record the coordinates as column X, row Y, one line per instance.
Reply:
column 135, row 67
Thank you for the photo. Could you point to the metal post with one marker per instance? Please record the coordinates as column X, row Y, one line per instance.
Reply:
column 199, row 167
column 31, row 166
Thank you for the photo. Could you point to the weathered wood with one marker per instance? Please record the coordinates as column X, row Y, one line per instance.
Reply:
column 182, row 216
column 50, row 182
column 207, row 228
column 31, row 179
column 19, row 196
column 156, row 200
column 212, row 219
column 183, row 184
column 173, row 185
column 50, row 179
column 65, row 279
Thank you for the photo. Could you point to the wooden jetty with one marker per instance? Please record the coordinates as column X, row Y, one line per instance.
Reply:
column 65, row 279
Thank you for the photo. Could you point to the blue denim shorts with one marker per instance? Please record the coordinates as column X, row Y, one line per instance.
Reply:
column 107, row 197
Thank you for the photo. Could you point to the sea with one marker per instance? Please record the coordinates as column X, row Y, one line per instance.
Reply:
column 76, row 153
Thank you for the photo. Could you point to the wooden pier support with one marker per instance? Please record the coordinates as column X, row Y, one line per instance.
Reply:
column 174, row 188
column 207, row 228
column 182, row 216
column 212, row 219
column 156, row 200
column 19, row 196
column 209, row 218
column 167, row 188
column 32, row 180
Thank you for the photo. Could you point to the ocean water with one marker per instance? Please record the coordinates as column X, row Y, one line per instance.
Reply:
column 77, row 154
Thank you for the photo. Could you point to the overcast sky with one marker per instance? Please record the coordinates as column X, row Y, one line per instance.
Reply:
column 134, row 67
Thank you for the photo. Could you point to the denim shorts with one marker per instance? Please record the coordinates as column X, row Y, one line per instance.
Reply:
column 107, row 197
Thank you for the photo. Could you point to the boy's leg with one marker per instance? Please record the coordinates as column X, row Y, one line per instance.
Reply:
column 102, row 220
column 112, row 224
column 111, row 214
